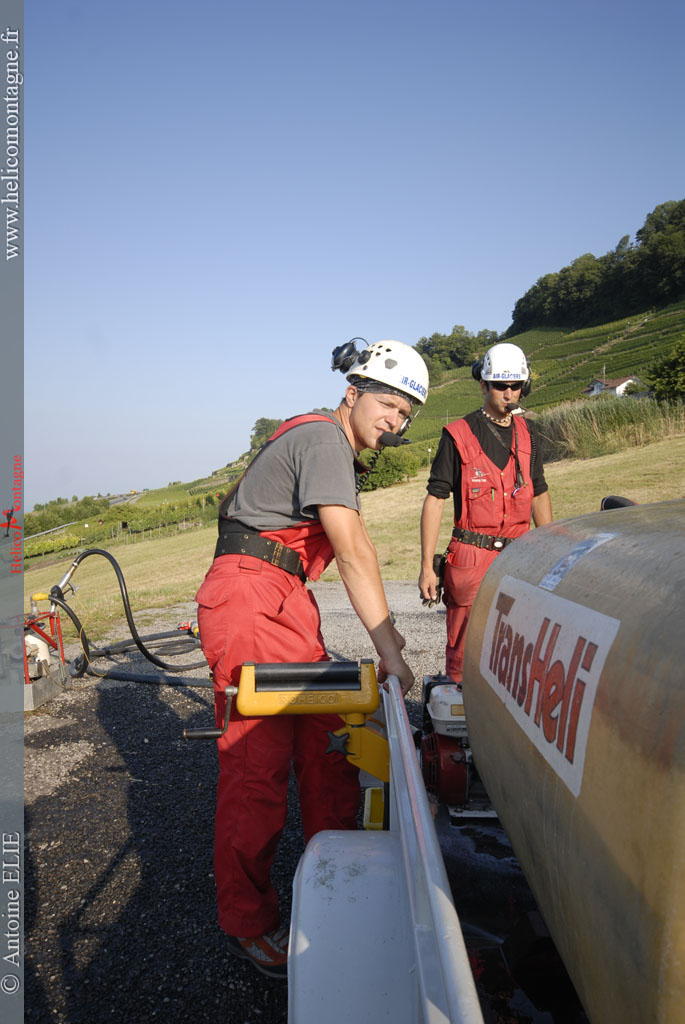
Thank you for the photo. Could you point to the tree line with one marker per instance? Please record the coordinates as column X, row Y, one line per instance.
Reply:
column 445, row 352
column 629, row 279
column 58, row 512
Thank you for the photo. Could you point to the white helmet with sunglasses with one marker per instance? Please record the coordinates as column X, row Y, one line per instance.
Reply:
column 505, row 362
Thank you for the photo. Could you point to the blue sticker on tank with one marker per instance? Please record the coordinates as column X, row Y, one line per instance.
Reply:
column 556, row 574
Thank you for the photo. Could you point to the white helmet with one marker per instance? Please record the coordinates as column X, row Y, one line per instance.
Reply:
column 504, row 362
column 395, row 364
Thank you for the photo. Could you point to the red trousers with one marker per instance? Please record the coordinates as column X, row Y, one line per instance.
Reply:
column 251, row 611
column 465, row 568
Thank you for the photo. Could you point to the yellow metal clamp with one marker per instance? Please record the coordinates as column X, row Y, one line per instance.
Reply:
column 362, row 746
column 308, row 689
column 336, row 688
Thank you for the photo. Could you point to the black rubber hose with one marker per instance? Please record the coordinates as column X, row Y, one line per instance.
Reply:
column 176, row 635
column 179, row 645
column 158, row 680
column 57, row 596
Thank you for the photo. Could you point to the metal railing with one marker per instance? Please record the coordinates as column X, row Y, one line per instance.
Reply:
column 447, row 992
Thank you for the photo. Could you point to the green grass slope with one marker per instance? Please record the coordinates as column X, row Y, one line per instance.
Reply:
column 169, row 571
column 563, row 364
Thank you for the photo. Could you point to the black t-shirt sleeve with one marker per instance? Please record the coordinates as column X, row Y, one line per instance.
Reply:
column 537, row 468
column 445, row 472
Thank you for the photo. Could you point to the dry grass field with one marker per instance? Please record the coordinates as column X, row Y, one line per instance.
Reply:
column 162, row 573
column 655, row 472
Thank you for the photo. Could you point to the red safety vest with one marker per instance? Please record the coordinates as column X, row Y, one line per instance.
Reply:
column 308, row 538
column 490, row 500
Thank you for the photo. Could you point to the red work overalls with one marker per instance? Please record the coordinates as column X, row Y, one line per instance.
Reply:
column 250, row 610
column 492, row 504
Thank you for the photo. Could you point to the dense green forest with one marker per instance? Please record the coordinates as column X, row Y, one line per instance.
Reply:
column 632, row 278
column 647, row 273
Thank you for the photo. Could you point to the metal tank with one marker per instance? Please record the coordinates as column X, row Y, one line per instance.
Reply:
column 574, row 690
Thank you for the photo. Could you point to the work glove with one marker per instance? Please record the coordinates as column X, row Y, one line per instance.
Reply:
column 439, row 570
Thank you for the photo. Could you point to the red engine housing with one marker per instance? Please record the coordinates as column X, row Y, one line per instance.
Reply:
column 445, row 769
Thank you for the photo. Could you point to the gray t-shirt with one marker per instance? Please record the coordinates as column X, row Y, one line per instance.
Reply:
column 310, row 464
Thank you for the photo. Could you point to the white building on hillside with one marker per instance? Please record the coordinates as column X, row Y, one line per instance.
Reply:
column 611, row 387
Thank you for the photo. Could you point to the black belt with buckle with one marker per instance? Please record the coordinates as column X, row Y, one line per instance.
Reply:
column 481, row 540
column 271, row 551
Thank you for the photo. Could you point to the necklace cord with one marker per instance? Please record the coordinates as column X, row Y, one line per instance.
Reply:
column 489, row 420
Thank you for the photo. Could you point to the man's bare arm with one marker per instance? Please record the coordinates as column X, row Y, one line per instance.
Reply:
column 542, row 509
column 431, row 518
column 358, row 567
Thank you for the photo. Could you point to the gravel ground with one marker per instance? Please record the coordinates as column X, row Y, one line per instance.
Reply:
column 120, row 913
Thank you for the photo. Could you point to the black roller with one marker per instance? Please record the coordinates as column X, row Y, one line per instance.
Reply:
column 202, row 734
column 308, row 676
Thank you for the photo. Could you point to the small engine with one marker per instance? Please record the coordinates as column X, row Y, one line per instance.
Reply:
column 445, row 752
column 37, row 657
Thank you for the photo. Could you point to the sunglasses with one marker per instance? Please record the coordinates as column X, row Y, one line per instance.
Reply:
column 502, row 385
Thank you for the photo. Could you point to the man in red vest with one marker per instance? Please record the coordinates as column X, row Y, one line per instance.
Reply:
column 490, row 461
column 295, row 509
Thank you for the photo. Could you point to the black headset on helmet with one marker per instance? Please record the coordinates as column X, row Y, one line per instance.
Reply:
column 345, row 356
column 477, row 370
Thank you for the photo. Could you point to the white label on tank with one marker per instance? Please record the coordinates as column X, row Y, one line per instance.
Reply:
column 558, row 571
column 543, row 656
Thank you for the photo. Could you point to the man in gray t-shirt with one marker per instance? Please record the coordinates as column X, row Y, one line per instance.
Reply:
column 299, row 471
column 294, row 510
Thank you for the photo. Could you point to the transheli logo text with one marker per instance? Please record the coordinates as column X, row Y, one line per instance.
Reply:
column 543, row 656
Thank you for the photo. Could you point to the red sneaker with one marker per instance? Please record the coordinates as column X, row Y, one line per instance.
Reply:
column 268, row 953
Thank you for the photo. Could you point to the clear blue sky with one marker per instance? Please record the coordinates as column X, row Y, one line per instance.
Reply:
column 219, row 193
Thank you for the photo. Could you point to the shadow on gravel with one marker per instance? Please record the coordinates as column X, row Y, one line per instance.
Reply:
column 133, row 908
column 35, row 991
